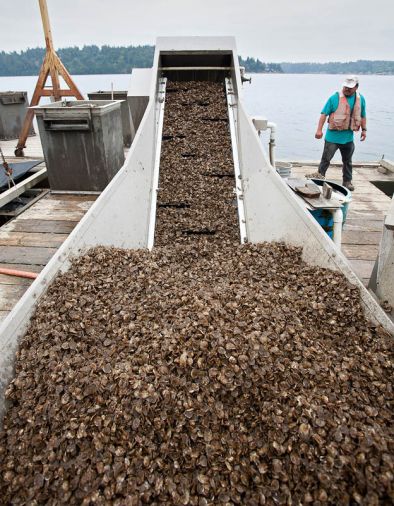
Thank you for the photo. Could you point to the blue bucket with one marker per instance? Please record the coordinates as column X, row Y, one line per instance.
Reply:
column 324, row 217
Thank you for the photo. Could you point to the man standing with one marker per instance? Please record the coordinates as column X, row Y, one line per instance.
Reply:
column 346, row 114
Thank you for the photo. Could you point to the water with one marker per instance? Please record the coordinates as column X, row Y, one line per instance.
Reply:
column 292, row 101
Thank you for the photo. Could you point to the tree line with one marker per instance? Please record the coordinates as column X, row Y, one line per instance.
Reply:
column 257, row 66
column 120, row 60
column 352, row 67
column 86, row 60
column 99, row 60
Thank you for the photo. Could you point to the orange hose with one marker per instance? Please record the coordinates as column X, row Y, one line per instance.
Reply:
column 20, row 274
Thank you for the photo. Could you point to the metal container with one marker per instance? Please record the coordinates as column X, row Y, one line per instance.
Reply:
column 13, row 108
column 138, row 96
column 82, row 143
column 124, row 109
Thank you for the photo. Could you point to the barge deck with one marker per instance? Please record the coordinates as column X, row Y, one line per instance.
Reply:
column 364, row 224
column 29, row 241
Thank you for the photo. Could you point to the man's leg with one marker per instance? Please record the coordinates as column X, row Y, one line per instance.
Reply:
column 347, row 151
column 329, row 151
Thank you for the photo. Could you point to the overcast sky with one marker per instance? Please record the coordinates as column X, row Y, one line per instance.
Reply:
column 272, row 30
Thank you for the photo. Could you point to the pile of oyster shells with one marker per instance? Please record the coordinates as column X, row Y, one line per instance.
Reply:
column 196, row 186
column 200, row 374
column 204, row 372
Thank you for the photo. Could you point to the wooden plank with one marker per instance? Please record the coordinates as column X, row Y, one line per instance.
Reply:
column 369, row 189
column 369, row 206
column 10, row 294
column 369, row 215
column 23, row 267
column 26, row 255
column 45, row 240
column 361, row 224
column 372, row 198
column 360, row 251
column 14, row 280
column 33, row 148
column 361, row 237
column 311, row 163
column 370, row 173
column 16, row 212
column 56, row 210
column 362, row 268
column 69, row 198
column 59, row 205
column 61, row 215
column 39, row 226
column 363, row 184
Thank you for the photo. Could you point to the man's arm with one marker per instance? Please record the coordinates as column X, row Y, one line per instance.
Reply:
column 319, row 131
column 363, row 129
column 328, row 108
column 363, row 120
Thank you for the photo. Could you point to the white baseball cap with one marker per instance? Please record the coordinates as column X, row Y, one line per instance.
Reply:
column 350, row 81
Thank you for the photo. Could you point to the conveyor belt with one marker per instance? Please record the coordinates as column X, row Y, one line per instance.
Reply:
column 196, row 199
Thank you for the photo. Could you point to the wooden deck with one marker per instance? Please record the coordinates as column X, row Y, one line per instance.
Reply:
column 363, row 228
column 33, row 148
column 28, row 241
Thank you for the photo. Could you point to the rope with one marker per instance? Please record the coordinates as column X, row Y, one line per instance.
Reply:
column 7, row 170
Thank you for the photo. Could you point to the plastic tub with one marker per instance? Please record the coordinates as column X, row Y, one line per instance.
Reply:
column 323, row 216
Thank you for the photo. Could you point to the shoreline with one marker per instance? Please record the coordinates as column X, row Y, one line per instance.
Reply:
column 251, row 73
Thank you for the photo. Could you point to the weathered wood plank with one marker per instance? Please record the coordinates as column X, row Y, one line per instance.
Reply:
column 361, row 237
column 45, row 240
column 40, row 226
column 57, row 215
column 23, row 267
column 57, row 209
column 362, row 268
column 354, row 214
column 360, row 251
column 368, row 197
column 26, row 255
column 15, row 280
column 357, row 205
column 366, row 189
column 73, row 198
column 10, row 294
column 63, row 205
column 33, row 148
column 363, row 225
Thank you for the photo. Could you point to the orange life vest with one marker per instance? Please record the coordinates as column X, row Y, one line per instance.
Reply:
column 343, row 118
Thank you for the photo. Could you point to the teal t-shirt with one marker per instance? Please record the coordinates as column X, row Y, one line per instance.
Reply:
column 341, row 136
